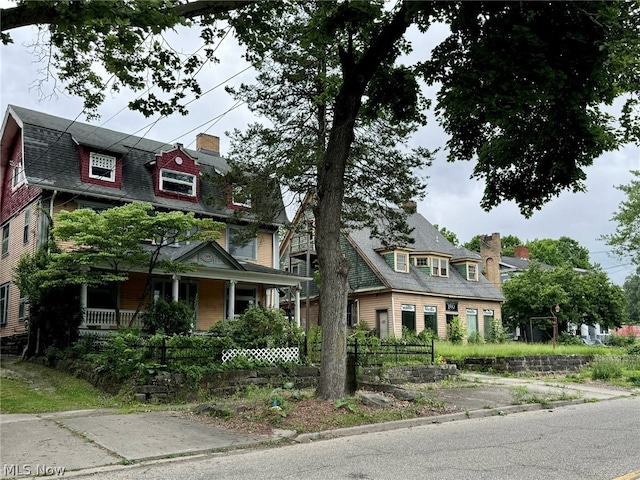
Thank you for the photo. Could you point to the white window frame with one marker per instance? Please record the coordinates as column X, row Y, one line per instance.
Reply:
column 104, row 162
column 237, row 191
column 6, row 239
column 474, row 277
column 26, row 229
column 177, row 181
column 4, row 303
column 402, row 266
column 19, row 178
column 442, row 269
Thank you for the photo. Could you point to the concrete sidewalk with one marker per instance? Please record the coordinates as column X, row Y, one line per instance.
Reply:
column 76, row 443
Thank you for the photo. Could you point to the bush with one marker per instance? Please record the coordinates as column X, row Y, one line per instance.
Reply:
column 173, row 318
column 455, row 331
column 606, row 368
column 634, row 349
column 259, row 327
column 475, row 338
column 621, row 340
column 567, row 339
column 497, row 335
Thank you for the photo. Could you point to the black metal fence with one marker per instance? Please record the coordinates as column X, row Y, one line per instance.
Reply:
column 374, row 351
column 202, row 350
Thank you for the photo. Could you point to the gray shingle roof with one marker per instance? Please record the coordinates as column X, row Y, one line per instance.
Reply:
column 51, row 161
column 427, row 239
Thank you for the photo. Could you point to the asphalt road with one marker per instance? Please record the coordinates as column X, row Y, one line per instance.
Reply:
column 598, row 441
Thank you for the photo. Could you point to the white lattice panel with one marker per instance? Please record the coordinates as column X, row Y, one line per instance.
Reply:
column 271, row 355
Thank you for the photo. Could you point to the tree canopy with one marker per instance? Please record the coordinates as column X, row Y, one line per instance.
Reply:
column 632, row 293
column 521, row 89
column 507, row 242
column 625, row 241
column 583, row 298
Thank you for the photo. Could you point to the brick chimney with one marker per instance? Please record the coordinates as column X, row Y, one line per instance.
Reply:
column 490, row 251
column 521, row 252
column 208, row 143
column 410, row 207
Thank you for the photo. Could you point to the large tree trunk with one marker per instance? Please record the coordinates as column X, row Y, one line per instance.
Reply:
column 333, row 265
column 331, row 261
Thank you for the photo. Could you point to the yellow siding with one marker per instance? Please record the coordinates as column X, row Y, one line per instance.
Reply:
column 132, row 290
column 368, row 305
column 210, row 303
column 17, row 248
column 265, row 249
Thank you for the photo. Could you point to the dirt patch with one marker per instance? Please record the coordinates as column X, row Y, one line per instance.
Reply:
column 310, row 414
column 35, row 375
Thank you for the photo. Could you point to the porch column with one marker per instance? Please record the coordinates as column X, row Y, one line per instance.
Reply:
column 231, row 309
column 83, row 303
column 296, row 315
column 174, row 288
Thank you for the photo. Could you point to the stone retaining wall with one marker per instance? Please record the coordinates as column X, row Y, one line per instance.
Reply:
column 532, row 363
column 406, row 374
column 168, row 386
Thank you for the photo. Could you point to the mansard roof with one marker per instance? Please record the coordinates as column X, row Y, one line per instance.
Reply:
column 51, row 162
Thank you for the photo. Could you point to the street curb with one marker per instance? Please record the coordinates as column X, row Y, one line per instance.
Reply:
column 422, row 421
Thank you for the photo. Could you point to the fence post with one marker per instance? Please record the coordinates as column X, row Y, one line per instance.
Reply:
column 433, row 357
column 163, row 352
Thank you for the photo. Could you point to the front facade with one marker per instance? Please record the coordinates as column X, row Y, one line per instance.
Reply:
column 417, row 287
column 49, row 164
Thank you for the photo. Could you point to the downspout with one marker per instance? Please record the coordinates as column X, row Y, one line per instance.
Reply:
column 49, row 227
column 393, row 315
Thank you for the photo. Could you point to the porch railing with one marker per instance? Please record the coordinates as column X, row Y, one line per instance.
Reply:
column 105, row 319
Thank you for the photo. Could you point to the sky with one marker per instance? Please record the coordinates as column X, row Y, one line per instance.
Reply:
column 452, row 199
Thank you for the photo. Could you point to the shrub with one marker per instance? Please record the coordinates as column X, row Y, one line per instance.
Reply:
column 170, row 318
column 475, row 338
column 633, row 349
column 567, row 339
column 455, row 331
column 606, row 367
column 259, row 327
column 621, row 340
column 497, row 335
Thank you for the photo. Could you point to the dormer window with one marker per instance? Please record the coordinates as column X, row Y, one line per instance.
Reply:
column 102, row 167
column 239, row 198
column 178, row 182
column 18, row 175
column 472, row 273
column 439, row 267
column 402, row 262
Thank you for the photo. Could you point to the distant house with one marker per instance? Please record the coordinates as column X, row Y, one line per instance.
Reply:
column 49, row 164
column 629, row 330
column 418, row 286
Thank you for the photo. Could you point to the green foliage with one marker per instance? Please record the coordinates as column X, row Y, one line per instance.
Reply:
column 449, row 235
column 625, row 241
column 565, row 75
column 559, row 252
column 497, row 335
column 117, row 240
column 583, row 298
column 455, row 331
column 259, row 327
column 633, row 349
column 565, row 338
column 632, row 294
column 475, row 338
column 606, row 367
column 169, row 318
column 54, row 310
column 621, row 340
column 124, row 356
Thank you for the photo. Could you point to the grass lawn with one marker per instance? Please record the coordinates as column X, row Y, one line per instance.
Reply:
column 27, row 387
column 516, row 349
